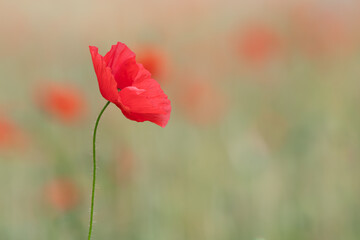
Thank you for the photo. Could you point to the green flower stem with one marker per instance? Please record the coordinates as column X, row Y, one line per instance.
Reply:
column 94, row 170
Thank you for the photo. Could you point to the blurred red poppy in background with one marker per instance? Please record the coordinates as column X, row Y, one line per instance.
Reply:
column 322, row 32
column 258, row 43
column 10, row 135
column 62, row 194
column 202, row 102
column 129, row 86
column 64, row 102
column 124, row 165
column 155, row 61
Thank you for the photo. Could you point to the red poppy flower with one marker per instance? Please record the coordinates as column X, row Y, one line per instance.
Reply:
column 10, row 135
column 195, row 101
column 322, row 32
column 62, row 101
column 129, row 85
column 62, row 194
column 124, row 165
column 155, row 61
column 259, row 43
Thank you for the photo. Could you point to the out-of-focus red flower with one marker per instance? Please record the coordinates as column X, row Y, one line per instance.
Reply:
column 10, row 135
column 129, row 86
column 62, row 194
column 64, row 102
column 259, row 43
column 155, row 61
column 202, row 102
column 125, row 161
column 321, row 32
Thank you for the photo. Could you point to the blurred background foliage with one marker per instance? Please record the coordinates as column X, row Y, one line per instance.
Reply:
column 263, row 141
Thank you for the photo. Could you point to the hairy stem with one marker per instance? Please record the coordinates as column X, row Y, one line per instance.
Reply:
column 94, row 170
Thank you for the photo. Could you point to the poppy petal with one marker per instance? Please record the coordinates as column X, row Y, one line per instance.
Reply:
column 145, row 102
column 123, row 66
column 107, row 83
column 141, row 74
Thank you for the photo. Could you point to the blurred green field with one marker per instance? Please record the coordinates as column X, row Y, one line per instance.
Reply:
column 263, row 140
